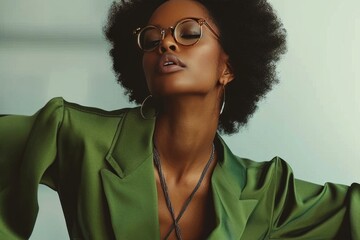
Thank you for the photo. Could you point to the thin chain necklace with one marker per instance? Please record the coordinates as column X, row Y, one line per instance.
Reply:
column 166, row 192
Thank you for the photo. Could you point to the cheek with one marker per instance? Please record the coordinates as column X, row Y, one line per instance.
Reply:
column 208, row 64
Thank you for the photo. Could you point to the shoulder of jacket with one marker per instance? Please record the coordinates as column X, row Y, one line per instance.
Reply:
column 273, row 171
column 54, row 104
column 276, row 162
column 95, row 110
column 58, row 103
column 75, row 117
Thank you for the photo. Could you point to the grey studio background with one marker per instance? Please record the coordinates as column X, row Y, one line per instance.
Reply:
column 311, row 119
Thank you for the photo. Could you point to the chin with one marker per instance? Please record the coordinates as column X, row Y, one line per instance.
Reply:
column 172, row 85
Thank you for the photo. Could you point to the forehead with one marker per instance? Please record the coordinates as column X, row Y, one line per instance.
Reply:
column 172, row 11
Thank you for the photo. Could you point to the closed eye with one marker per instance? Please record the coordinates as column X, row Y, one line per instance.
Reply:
column 190, row 35
column 152, row 44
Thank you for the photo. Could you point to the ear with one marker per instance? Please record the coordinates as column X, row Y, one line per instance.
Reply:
column 227, row 74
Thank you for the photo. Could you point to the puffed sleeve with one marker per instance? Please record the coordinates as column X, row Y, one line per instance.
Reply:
column 304, row 210
column 27, row 157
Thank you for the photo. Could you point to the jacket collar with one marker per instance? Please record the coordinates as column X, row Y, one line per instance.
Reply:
column 232, row 210
column 131, row 194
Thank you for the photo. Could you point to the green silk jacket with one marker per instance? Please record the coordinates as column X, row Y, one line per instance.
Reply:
column 101, row 165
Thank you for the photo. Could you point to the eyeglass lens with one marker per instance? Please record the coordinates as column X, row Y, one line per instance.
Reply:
column 187, row 32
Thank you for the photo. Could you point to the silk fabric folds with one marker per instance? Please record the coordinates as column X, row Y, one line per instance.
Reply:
column 101, row 165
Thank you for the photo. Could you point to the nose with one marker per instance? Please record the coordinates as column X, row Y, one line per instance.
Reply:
column 168, row 43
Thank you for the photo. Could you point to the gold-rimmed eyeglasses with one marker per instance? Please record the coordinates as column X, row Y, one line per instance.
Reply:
column 186, row 32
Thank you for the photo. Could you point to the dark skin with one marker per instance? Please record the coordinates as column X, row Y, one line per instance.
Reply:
column 186, row 127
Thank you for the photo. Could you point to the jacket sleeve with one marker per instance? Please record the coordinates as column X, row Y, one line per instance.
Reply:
column 27, row 157
column 304, row 210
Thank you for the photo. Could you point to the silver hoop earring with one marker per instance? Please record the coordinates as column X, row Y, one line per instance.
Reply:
column 142, row 109
column 223, row 102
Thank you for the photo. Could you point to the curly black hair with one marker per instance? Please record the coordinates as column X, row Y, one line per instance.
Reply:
column 250, row 33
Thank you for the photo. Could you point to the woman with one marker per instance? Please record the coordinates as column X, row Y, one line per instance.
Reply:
column 161, row 171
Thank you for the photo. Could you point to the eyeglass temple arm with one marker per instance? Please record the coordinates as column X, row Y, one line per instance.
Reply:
column 210, row 28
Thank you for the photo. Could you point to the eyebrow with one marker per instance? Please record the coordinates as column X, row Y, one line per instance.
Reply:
column 191, row 17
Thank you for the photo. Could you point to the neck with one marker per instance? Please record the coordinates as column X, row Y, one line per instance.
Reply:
column 184, row 134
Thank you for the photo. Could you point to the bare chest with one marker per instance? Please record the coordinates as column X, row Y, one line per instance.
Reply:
column 197, row 221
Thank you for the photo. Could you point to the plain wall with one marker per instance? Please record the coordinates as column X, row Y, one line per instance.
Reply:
column 311, row 119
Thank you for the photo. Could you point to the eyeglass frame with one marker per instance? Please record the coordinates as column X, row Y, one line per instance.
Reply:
column 163, row 31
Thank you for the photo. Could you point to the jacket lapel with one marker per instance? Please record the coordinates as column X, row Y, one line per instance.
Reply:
column 232, row 212
column 131, row 194
column 130, row 189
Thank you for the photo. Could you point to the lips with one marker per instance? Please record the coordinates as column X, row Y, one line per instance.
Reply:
column 169, row 63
